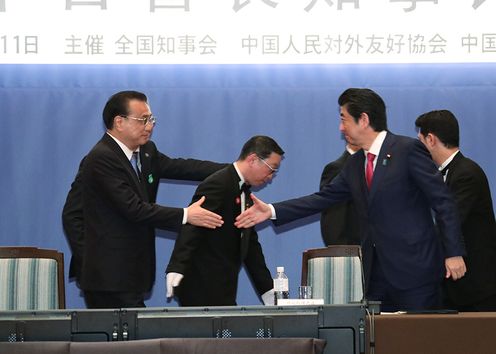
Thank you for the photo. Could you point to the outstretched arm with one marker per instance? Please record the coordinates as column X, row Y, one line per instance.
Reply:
column 199, row 216
column 254, row 215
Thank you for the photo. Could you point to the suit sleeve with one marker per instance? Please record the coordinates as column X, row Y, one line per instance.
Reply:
column 465, row 188
column 187, row 169
column 256, row 266
column 426, row 175
column 190, row 236
column 73, row 222
column 105, row 176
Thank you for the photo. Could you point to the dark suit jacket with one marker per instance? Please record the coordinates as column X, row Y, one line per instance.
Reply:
column 338, row 223
column 120, row 214
column 469, row 185
column 211, row 259
column 73, row 223
column 395, row 216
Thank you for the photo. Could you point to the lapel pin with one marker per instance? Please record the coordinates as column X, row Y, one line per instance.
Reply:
column 386, row 160
column 150, row 178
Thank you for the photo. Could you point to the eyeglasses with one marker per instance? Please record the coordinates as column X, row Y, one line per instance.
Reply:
column 272, row 169
column 151, row 119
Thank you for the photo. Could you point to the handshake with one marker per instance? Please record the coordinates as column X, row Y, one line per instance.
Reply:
column 173, row 280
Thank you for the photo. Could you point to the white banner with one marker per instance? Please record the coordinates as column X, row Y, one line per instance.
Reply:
column 247, row 31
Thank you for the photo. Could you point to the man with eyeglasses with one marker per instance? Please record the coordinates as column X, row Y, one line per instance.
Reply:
column 110, row 213
column 204, row 266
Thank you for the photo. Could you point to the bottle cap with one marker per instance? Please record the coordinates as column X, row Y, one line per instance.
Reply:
column 280, row 269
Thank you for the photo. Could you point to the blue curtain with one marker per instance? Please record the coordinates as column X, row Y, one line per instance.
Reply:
column 51, row 117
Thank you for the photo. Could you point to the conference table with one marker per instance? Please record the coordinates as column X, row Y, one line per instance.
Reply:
column 327, row 329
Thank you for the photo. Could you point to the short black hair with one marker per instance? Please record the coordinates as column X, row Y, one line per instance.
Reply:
column 262, row 146
column 118, row 105
column 364, row 100
column 442, row 124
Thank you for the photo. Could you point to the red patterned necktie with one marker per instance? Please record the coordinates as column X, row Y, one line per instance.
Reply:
column 369, row 170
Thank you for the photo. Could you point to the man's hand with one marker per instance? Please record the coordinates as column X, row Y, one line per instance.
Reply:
column 172, row 280
column 455, row 267
column 257, row 213
column 202, row 217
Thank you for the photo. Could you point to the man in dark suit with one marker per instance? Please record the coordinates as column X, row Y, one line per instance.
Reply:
column 393, row 184
column 205, row 263
column 439, row 132
column 119, row 180
column 339, row 223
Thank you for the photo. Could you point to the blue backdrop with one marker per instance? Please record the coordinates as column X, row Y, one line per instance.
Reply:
column 51, row 117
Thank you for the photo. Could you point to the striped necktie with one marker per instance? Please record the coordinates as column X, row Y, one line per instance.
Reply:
column 136, row 163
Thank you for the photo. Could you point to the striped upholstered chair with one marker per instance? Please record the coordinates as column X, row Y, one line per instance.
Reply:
column 334, row 273
column 31, row 279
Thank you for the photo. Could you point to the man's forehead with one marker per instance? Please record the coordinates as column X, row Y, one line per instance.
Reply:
column 343, row 111
column 274, row 157
column 138, row 105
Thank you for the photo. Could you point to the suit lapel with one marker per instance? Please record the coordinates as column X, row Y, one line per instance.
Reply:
column 245, row 233
column 123, row 160
column 382, row 164
column 360, row 167
column 452, row 167
column 146, row 175
column 146, row 170
column 233, row 183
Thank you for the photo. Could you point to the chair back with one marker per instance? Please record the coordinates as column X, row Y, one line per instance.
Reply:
column 31, row 279
column 335, row 273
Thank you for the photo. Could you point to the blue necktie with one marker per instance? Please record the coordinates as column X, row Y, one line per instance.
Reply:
column 136, row 163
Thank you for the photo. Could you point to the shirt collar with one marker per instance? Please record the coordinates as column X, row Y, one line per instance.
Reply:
column 128, row 152
column 242, row 180
column 375, row 148
column 448, row 160
column 350, row 151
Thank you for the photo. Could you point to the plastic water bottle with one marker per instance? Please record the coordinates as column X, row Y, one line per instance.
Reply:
column 281, row 285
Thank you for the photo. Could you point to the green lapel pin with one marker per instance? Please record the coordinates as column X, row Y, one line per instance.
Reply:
column 150, row 178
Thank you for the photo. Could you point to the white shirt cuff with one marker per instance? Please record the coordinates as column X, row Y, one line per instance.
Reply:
column 268, row 298
column 273, row 212
column 185, row 216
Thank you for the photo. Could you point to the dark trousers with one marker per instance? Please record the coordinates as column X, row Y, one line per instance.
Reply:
column 425, row 297
column 487, row 304
column 113, row 299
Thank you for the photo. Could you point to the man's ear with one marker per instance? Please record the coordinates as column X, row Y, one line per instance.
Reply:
column 252, row 157
column 431, row 139
column 364, row 119
column 118, row 122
